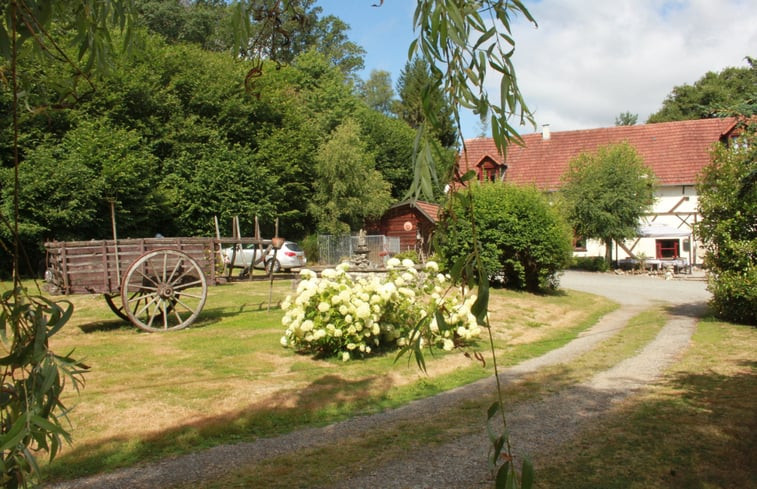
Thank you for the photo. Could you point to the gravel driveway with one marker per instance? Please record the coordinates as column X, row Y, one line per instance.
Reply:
column 534, row 426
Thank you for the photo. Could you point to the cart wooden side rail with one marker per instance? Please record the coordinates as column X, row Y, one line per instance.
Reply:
column 158, row 284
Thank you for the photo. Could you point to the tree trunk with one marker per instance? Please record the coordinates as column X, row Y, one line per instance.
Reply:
column 608, row 251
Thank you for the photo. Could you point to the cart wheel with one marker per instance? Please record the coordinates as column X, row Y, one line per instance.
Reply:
column 163, row 290
column 115, row 304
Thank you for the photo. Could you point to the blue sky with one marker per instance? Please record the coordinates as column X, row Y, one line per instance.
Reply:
column 589, row 60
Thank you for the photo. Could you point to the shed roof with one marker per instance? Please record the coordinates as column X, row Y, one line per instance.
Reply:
column 429, row 210
column 675, row 151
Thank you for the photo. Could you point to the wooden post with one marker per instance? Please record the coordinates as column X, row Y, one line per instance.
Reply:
column 276, row 245
column 115, row 239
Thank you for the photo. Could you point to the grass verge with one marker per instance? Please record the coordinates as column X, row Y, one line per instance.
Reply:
column 696, row 429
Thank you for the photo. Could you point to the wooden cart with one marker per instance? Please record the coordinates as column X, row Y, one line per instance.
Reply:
column 157, row 284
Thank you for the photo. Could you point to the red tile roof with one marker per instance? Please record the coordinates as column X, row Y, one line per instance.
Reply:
column 675, row 151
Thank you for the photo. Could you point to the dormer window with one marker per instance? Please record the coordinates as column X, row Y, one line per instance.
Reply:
column 491, row 171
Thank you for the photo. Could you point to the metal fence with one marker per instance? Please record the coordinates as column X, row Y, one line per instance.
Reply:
column 334, row 249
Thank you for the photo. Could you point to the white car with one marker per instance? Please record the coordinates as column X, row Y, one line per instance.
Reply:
column 289, row 256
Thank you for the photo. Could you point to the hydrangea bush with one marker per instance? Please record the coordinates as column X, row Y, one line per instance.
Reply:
column 338, row 315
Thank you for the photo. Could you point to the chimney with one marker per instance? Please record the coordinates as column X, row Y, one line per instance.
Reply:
column 545, row 134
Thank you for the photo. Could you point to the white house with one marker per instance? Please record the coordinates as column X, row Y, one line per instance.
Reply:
column 675, row 151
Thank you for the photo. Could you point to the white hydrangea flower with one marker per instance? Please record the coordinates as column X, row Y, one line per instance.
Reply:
column 345, row 356
column 337, row 333
column 432, row 266
column 363, row 310
column 406, row 291
column 284, row 341
column 328, row 273
column 408, row 263
column 392, row 263
column 448, row 345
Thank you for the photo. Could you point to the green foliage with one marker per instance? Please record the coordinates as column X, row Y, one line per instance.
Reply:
column 391, row 141
column 201, row 146
column 590, row 263
column 348, row 189
column 523, row 240
column 626, row 119
column 282, row 31
column 310, row 245
column 731, row 89
column 377, row 91
column 199, row 22
column 419, row 95
column 33, row 379
column 728, row 204
column 607, row 192
column 65, row 187
column 464, row 51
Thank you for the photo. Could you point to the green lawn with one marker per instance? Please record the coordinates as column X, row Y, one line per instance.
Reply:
column 227, row 378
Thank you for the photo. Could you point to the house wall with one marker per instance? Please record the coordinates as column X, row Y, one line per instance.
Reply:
column 675, row 207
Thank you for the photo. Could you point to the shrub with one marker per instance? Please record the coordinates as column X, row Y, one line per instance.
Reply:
column 734, row 295
column 310, row 246
column 590, row 263
column 336, row 315
column 524, row 240
column 728, row 203
column 407, row 255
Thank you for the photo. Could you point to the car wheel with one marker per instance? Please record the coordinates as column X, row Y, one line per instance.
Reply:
column 272, row 266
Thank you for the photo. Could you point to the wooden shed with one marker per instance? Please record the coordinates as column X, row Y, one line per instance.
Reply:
column 412, row 222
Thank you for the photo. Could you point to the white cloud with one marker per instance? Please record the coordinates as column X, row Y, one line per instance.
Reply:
column 588, row 61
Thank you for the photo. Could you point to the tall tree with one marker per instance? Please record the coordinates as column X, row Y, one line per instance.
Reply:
column 607, row 192
column 281, row 30
column 416, row 87
column 728, row 204
column 377, row 91
column 348, row 189
column 733, row 89
column 196, row 21
column 626, row 119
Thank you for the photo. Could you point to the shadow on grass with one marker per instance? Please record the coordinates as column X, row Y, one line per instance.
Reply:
column 700, row 433
column 327, row 399
column 206, row 318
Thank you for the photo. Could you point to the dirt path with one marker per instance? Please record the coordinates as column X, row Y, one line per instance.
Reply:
column 535, row 426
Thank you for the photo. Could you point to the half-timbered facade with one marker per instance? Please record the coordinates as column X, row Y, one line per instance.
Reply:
column 675, row 151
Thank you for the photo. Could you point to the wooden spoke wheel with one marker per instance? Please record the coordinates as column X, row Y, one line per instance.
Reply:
column 163, row 290
column 115, row 304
